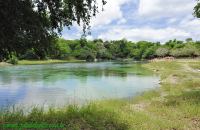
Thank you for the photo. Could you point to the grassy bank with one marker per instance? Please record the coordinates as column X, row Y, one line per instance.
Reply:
column 35, row 62
column 174, row 106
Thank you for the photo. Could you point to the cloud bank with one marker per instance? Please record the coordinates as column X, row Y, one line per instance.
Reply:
column 155, row 20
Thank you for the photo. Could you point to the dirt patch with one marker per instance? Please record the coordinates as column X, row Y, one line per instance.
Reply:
column 195, row 124
column 162, row 59
column 140, row 106
column 190, row 69
column 173, row 79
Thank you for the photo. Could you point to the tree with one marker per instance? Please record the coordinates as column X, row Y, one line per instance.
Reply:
column 197, row 9
column 62, row 49
column 27, row 24
column 102, row 52
column 189, row 40
column 22, row 28
column 149, row 53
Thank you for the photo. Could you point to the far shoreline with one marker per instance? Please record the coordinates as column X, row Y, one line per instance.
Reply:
column 57, row 61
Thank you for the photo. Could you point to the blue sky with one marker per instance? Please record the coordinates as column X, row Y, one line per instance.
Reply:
column 135, row 20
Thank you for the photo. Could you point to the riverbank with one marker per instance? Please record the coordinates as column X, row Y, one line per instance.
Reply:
column 4, row 64
column 40, row 62
column 51, row 61
column 175, row 105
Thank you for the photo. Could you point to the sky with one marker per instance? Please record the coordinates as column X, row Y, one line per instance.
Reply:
column 139, row 20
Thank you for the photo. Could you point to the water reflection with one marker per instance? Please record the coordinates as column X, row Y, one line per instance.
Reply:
column 62, row 84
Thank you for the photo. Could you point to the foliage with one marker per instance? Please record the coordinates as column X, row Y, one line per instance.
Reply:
column 13, row 59
column 123, row 49
column 149, row 53
column 113, row 50
column 61, row 50
column 30, row 54
column 187, row 51
column 162, row 52
column 197, row 9
column 35, row 24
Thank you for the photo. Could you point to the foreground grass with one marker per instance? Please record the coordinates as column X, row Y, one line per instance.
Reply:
column 36, row 62
column 174, row 106
column 72, row 118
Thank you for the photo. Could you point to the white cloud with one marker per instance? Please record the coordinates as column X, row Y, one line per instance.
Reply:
column 112, row 11
column 153, row 20
column 165, row 8
column 192, row 26
column 147, row 33
column 180, row 23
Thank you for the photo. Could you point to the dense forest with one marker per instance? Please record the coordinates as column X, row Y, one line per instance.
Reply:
column 115, row 50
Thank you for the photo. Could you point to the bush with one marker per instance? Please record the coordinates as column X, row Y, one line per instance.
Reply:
column 85, row 53
column 176, row 52
column 187, row 51
column 149, row 53
column 103, row 54
column 30, row 55
column 13, row 59
column 162, row 52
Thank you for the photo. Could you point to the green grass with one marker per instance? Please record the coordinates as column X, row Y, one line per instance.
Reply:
column 179, row 100
column 73, row 118
column 173, row 106
column 35, row 62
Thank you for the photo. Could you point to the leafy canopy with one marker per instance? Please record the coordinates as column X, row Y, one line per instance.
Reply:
column 34, row 24
column 197, row 9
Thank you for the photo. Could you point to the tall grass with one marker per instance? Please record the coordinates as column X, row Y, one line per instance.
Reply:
column 88, row 117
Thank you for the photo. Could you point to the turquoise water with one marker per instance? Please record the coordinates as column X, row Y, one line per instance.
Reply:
column 72, row 83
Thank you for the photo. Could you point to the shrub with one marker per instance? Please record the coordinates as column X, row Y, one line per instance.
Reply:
column 13, row 59
column 30, row 55
column 162, row 52
column 176, row 52
column 187, row 51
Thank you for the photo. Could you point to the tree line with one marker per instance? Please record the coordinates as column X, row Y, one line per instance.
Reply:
column 115, row 50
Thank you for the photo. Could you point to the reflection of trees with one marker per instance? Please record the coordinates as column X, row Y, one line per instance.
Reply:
column 48, row 73
column 115, row 73
column 8, row 76
column 81, row 74
column 5, row 77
